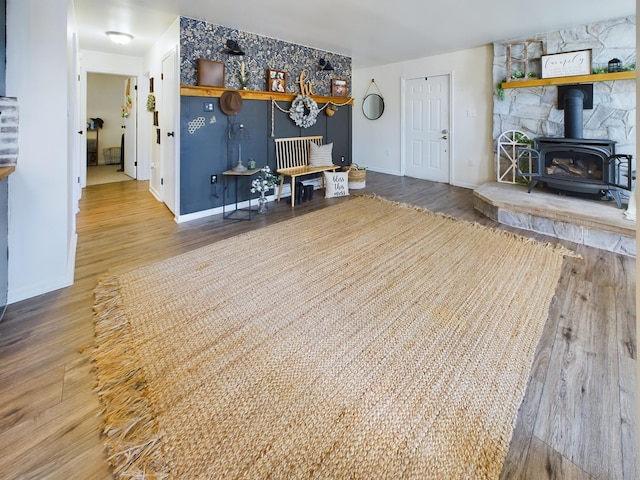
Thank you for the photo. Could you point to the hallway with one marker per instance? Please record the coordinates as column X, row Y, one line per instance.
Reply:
column 99, row 174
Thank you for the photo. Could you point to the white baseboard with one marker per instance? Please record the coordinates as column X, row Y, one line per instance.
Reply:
column 465, row 185
column 155, row 194
column 382, row 170
column 218, row 210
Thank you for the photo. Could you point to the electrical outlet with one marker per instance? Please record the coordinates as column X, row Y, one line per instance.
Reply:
column 207, row 106
column 214, row 179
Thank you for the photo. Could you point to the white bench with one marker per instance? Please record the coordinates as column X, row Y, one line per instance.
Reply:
column 292, row 160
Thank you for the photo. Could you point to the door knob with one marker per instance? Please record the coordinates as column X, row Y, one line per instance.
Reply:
column 169, row 134
column 80, row 132
column 445, row 131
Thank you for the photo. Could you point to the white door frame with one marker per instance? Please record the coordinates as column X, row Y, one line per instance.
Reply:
column 131, row 124
column 403, row 81
column 174, row 120
column 83, row 117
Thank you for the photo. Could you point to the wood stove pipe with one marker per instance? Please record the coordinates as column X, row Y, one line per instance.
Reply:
column 573, row 105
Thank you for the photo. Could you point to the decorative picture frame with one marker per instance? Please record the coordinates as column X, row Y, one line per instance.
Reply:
column 211, row 73
column 339, row 87
column 276, row 81
column 566, row 64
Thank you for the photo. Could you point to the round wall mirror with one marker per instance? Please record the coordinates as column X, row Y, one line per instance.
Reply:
column 373, row 106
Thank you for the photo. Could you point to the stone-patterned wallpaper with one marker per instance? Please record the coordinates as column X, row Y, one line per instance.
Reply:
column 199, row 39
column 534, row 110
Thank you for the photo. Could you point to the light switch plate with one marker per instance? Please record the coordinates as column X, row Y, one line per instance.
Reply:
column 208, row 106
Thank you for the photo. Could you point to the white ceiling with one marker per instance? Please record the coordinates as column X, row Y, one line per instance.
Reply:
column 370, row 32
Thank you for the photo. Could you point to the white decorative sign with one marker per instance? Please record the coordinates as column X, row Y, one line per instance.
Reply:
column 566, row 64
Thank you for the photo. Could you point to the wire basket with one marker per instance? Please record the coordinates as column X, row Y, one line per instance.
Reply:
column 111, row 155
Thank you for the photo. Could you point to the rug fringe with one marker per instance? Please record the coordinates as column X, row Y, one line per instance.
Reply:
column 131, row 433
column 555, row 247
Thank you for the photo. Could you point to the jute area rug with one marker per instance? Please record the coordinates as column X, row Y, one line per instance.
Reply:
column 368, row 340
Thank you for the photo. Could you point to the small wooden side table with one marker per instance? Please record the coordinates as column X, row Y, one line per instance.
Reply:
column 236, row 213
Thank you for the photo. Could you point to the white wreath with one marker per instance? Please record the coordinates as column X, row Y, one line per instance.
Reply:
column 298, row 107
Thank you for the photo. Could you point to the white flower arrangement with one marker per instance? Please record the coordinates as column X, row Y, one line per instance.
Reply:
column 265, row 181
column 299, row 106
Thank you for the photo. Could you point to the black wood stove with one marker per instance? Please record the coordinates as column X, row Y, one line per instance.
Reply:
column 573, row 164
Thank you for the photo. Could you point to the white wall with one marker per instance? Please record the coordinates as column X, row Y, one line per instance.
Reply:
column 42, row 73
column 377, row 143
column 169, row 41
column 41, row 238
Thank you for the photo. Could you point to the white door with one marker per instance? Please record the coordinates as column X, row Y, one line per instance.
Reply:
column 129, row 127
column 426, row 128
column 168, row 133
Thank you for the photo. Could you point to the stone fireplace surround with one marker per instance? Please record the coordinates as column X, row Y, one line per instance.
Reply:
column 534, row 111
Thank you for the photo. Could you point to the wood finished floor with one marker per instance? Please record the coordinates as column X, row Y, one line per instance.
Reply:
column 578, row 419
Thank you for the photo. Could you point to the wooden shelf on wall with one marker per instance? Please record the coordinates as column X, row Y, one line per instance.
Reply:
column 542, row 82
column 6, row 171
column 197, row 91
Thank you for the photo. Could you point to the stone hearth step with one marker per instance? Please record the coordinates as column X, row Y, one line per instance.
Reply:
column 598, row 224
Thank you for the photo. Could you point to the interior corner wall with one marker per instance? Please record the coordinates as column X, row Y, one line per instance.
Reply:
column 377, row 143
column 39, row 222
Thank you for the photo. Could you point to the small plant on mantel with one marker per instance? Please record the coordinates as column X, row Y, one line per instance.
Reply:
column 604, row 69
column 516, row 74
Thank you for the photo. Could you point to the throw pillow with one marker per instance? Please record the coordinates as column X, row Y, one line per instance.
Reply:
column 336, row 184
column 320, row 155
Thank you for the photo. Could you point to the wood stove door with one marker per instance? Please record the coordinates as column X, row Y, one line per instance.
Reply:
column 620, row 170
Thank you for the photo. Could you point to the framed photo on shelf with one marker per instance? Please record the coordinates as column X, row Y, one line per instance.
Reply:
column 276, row 81
column 339, row 87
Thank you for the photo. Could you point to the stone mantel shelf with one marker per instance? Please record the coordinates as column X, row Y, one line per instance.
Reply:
column 198, row 91
column 542, row 82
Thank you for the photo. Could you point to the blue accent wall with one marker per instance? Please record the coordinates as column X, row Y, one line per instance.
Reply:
column 205, row 147
column 208, row 150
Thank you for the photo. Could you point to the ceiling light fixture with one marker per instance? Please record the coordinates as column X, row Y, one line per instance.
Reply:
column 324, row 65
column 119, row 37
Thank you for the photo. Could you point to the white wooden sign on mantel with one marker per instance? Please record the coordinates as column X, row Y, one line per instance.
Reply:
column 566, row 64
